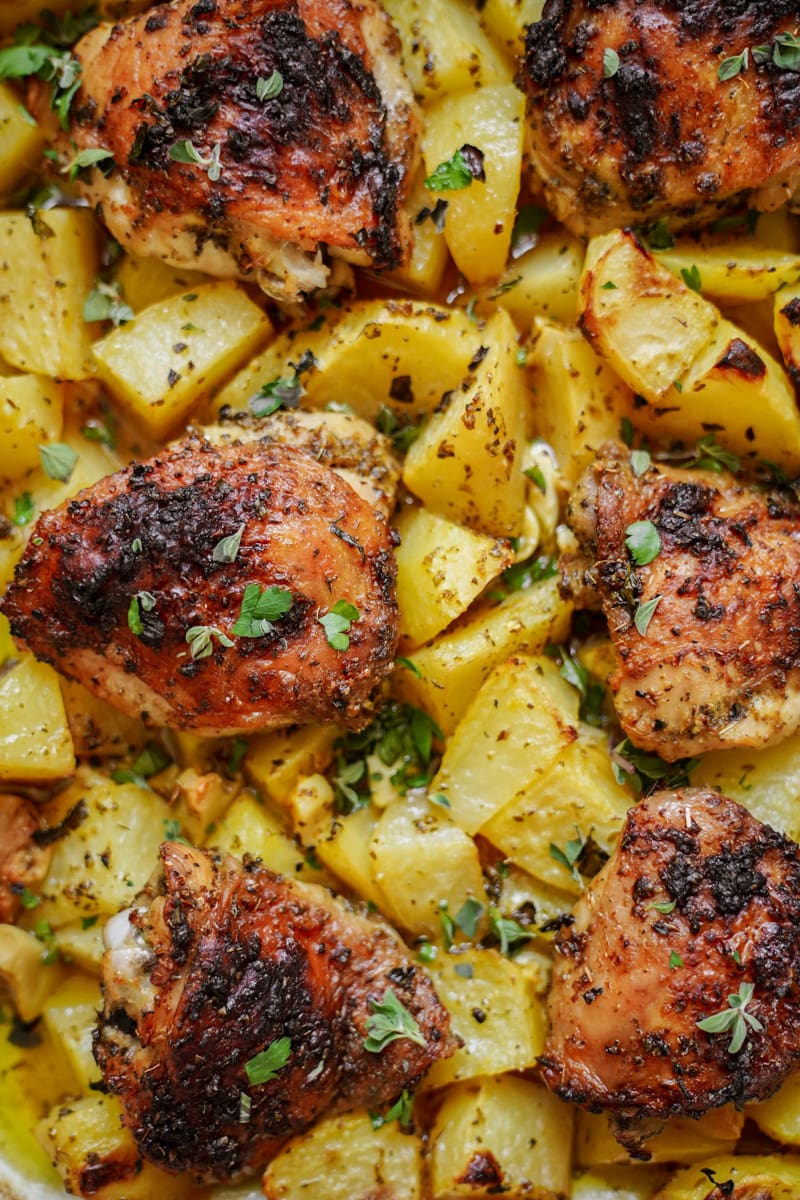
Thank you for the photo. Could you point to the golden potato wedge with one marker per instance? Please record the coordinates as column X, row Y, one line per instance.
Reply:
column 495, row 1007
column 500, row 1134
column 775, row 1176
column 680, row 1140
column 441, row 568
column 424, row 270
column 446, row 674
column 70, row 1016
column 766, row 782
column 779, row 1117
column 697, row 371
column 345, row 1158
column 505, row 21
column 467, row 462
column 162, row 364
column 445, row 51
column 732, row 270
column 24, row 975
column 542, row 282
column 35, row 741
column 21, row 141
column 480, row 217
column 44, row 282
column 515, row 729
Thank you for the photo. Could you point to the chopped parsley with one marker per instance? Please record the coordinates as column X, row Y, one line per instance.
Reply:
column 643, row 771
column 92, row 156
column 691, row 277
column 185, row 151
column 104, row 303
column 643, row 542
column 390, row 1022
column 734, row 1018
column 401, row 1111
column 270, row 87
column 509, row 933
column 227, row 548
column 457, row 172
column 568, row 857
column 675, row 960
column 58, row 460
column 260, row 608
column 265, row 1066
column 401, row 736
column 23, row 509
column 337, row 623
column 284, row 392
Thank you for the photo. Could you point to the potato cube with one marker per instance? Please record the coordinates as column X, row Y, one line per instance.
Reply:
column 201, row 799
column 104, row 860
column 82, row 943
column 24, row 976
column 467, row 462
column 696, row 370
column 70, row 1015
column 445, row 51
column 146, row 281
column 429, row 256
column 275, row 762
column 422, row 860
column 776, row 1176
column 449, row 671
column 579, row 402
column 480, row 217
column 344, row 1158
column 44, row 282
column 732, row 270
column 95, row 1154
column 637, row 1182
column 98, row 729
column 505, row 21
column 764, row 781
column 441, row 568
column 162, row 364
column 21, row 141
column 250, row 828
column 578, row 793
column 35, row 742
column 400, row 354
column 779, row 1117
column 541, row 282
column 680, row 1140
column 343, row 843
column 517, row 726
column 501, row 1134
column 495, row 1008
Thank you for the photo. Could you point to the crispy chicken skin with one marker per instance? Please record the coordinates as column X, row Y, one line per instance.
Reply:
column 150, row 531
column 325, row 162
column 623, row 1013
column 23, row 862
column 662, row 135
column 719, row 662
column 218, row 961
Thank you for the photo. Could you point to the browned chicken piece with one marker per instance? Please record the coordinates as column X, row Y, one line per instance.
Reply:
column 630, row 122
column 350, row 446
column 23, row 862
column 299, row 111
column 696, row 913
column 139, row 588
column 220, row 962
column 716, row 662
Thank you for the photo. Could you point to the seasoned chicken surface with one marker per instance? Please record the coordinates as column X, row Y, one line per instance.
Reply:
column 219, row 961
column 717, row 662
column 630, row 122
column 135, row 588
column 23, row 862
column 699, row 903
column 342, row 441
column 300, row 112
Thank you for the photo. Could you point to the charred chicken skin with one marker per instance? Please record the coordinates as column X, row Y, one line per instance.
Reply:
column 299, row 111
column 718, row 662
column 700, row 903
column 631, row 122
column 133, row 589
column 219, row 961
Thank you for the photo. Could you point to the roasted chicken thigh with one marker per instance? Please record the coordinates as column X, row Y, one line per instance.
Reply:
column 218, row 589
column 633, row 116
column 707, row 632
column 221, row 962
column 697, row 913
column 247, row 135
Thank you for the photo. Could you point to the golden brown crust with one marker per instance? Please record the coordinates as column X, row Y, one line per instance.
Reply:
column 324, row 162
column 152, row 529
column 663, row 134
column 624, row 1036
column 719, row 663
column 240, row 958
